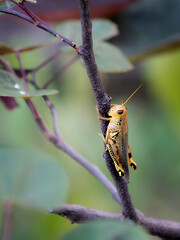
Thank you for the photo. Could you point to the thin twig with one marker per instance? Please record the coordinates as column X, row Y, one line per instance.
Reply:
column 32, row 107
column 42, row 26
column 47, row 61
column 23, row 73
column 47, row 134
column 27, row 11
column 52, row 109
column 60, row 71
column 6, row 65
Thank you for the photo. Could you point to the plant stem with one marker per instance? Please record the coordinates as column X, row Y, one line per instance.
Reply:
column 7, row 220
column 103, row 103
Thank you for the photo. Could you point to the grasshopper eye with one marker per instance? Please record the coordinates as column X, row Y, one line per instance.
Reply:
column 120, row 112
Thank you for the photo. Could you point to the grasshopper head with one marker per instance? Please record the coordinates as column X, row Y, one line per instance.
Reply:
column 117, row 111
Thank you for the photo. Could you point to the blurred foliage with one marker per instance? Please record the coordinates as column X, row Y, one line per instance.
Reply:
column 23, row 173
column 102, row 29
column 154, row 131
column 31, row 224
column 109, row 58
column 168, row 81
column 147, row 23
column 11, row 86
column 106, row 230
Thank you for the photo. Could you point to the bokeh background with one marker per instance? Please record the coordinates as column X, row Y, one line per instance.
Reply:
column 153, row 113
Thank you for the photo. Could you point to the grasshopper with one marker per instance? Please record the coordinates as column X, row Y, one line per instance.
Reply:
column 116, row 139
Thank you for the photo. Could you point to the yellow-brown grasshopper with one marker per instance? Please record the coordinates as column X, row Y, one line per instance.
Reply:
column 116, row 138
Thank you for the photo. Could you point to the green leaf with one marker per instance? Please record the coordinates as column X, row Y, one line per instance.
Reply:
column 4, row 49
column 12, row 86
column 106, row 230
column 31, row 178
column 39, row 93
column 101, row 30
column 110, row 59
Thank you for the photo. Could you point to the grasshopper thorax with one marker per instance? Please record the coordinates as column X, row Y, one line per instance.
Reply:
column 118, row 111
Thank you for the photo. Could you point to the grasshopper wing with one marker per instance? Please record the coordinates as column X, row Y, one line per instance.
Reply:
column 122, row 143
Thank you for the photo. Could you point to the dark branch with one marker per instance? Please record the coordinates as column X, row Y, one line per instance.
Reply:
column 81, row 214
column 87, row 54
column 122, row 188
column 103, row 103
column 163, row 228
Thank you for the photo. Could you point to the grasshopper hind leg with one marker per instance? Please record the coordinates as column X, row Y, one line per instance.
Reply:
column 131, row 160
column 113, row 151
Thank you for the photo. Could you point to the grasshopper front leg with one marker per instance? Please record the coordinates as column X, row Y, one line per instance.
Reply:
column 100, row 117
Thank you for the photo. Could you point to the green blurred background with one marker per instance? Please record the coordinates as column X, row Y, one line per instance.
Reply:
column 154, row 136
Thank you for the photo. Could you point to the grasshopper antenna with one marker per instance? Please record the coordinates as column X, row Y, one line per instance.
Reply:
column 132, row 94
